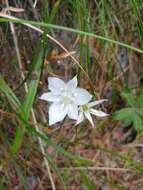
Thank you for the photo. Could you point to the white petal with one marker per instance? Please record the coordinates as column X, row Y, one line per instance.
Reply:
column 72, row 84
column 91, row 104
column 49, row 97
column 81, row 96
column 80, row 118
column 88, row 116
column 55, row 84
column 73, row 111
column 98, row 113
column 56, row 113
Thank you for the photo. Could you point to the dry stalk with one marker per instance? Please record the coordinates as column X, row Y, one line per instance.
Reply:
column 98, row 168
column 26, row 90
column 35, row 3
column 55, row 41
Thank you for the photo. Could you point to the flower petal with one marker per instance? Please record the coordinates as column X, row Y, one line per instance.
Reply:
column 81, row 96
column 49, row 96
column 94, row 103
column 88, row 116
column 56, row 113
column 98, row 113
column 80, row 118
column 56, row 84
column 72, row 84
column 73, row 111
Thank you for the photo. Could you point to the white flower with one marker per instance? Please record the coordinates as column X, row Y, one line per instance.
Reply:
column 66, row 98
column 86, row 110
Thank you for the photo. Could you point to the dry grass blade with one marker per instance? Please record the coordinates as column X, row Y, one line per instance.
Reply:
column 55, row 41
column 35, row 3
column 99, row 168
column 12, row 9
column 26, row 90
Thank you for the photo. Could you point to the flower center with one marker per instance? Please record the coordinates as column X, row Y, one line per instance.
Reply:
column 67, row 99
column 85, row 108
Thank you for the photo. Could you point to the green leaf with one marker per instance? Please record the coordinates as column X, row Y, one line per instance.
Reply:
column 87, row 183
column 129, row 115
column 10, row 95
column 139, row 100
column 27, row 105
column 140, row 111
column 137, row 122
column 128, row 97
column 124, row 114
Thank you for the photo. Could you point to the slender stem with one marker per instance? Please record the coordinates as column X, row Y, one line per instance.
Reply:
column 98, row 168
column 26, row 90
column 55, row 41
column 35, row 3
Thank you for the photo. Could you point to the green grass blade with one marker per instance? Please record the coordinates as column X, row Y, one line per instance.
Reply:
column 56, row 169
column 28, row 103
column 58, row 148
column 12, row 156
column 1, row 185
column 21, row 21
column 16, row 103
column 10, row 94
column 87, row 183
column 20, row 175
column 54, row 11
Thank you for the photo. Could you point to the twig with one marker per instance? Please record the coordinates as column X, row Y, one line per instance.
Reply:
column 16, row 44
column 55, row 41
column 43, row 151
column 35, row 3
column 98, row 168
column 134, row 145
column 13, row 9
column 26, row 90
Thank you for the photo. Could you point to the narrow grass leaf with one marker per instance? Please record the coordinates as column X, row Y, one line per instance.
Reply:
column 56, row 169
column 4, row 87
column 58, row 148
column 28, row 103
column 87, row 183
column 20, row 175
column 72, row 30
column 54, row 11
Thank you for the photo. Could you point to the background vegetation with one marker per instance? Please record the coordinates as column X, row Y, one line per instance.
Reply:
column 101, row 42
